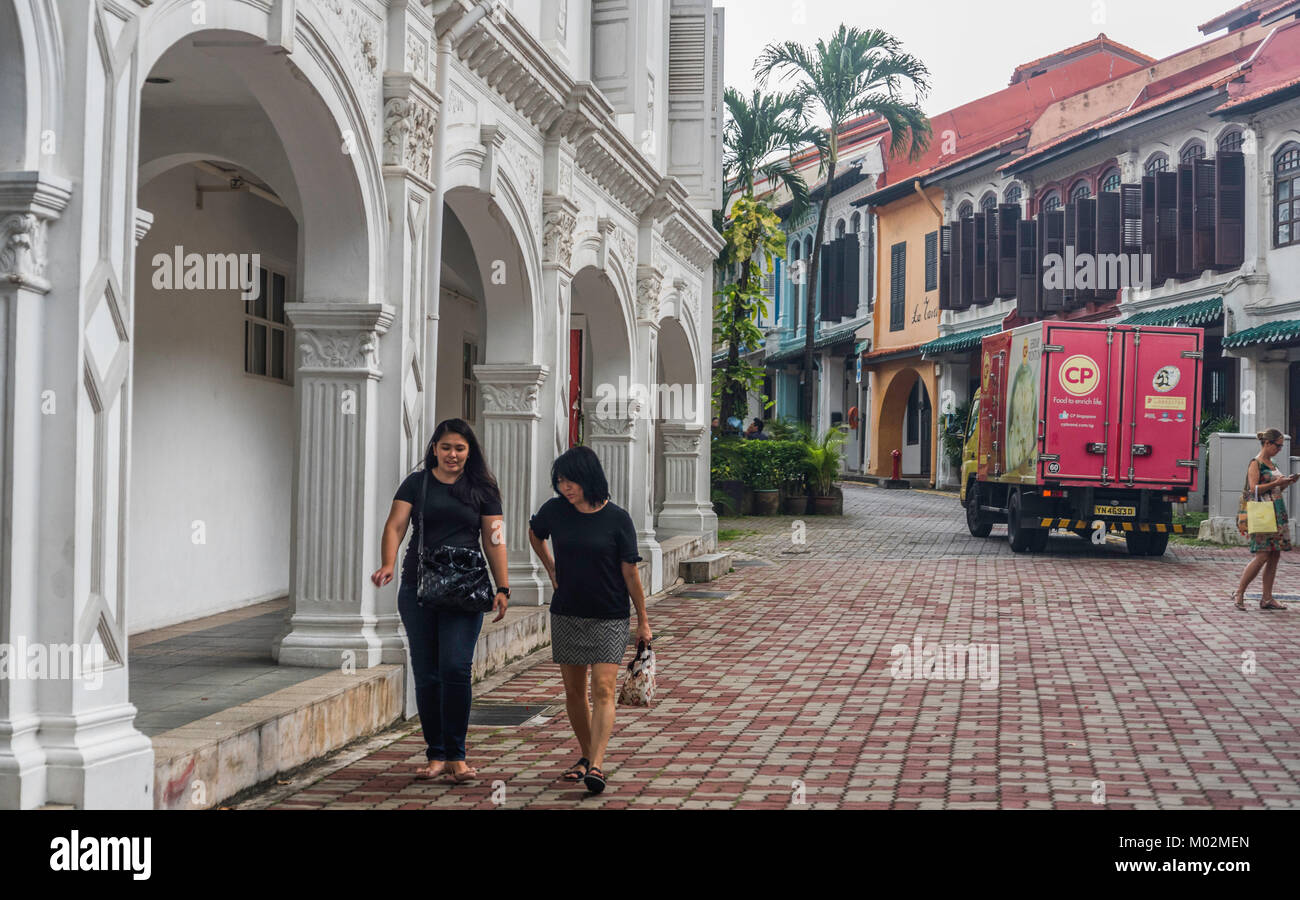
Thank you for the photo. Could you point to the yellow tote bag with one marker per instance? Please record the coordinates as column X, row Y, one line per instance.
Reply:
column 1261, row 517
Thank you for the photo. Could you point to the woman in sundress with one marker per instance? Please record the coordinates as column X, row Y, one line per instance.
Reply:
column 1266, row 478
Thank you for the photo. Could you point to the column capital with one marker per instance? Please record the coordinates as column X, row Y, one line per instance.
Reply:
column 649, row 281
column 339, row 337
column 510, row 390
column 680, row 438
column 611, row 419
column 410, row 122
column 29, row 201
column 559, row 216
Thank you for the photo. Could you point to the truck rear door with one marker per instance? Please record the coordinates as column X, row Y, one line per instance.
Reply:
column 1081, row 402
column 1162, row 400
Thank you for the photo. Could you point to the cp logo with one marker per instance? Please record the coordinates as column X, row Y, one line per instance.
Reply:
column 1079, row 375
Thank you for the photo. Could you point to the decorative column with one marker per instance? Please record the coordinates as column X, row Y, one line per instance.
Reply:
column 640, row 500
column 336, row 524
column 610, row 432
column 511, row 434
column 559, row 215
column 684, row 446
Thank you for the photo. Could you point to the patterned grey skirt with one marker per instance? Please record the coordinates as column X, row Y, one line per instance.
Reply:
column 577, row 641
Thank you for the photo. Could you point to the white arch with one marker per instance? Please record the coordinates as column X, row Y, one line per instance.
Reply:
column 341, row 194
column 31, row 81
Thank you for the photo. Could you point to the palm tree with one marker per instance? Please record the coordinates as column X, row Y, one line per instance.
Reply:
column 758, row 131
column 856, row 73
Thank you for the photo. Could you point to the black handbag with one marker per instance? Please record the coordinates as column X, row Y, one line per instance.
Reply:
column 454, row 578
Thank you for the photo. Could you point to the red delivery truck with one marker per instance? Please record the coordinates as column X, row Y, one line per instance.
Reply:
column 1077, row 423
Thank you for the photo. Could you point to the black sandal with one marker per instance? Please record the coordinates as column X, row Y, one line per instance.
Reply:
column 577, row 771
column 594, row 780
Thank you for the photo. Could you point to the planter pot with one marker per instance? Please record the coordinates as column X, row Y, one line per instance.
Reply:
column 747, row 502
column 735, row 502
column 794, row 505
column 767, row 502
column 824, row 506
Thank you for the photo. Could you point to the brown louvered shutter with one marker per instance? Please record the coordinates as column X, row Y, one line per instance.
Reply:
column 1166, row 263
column 1109, row 244
column 967, row 237
column 897, row 283
column 852, row 267
column 979, row 255
column 1230, row 210
column 1027, row 269
column 1186, row 222
column 1008, row 224
column 945, row 267
column 932, row 260
column 954, row 275
column 831, row 281
column 1130, row 209
column 1085, row 241
column 1149, row 220
column 1069, row 298
column 1203, row 215
column 990, row 253
column 1051, row 235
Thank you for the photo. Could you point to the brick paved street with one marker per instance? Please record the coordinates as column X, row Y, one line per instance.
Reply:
column 1111, row 670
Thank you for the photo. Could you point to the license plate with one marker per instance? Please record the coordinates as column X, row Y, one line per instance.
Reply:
column 1114, row 510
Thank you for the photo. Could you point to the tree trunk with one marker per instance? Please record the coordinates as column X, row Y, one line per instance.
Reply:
column 806, row 393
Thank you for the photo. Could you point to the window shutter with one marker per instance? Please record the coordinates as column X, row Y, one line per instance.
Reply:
column 1051, row 234
column 1186, row 234
column 979, row 255
column 826, row 268
column 954, row 273
column 1110, row 225
column 1230, row 210
column 871, row 262
column 932, row 260
column 1166, row 263
column 1008, row 228
column 945, row 267
column 897, row 281
column 1130, row 211
column 967, row 236
column 852, row 254
column 1068, row 298
column 991, row 253
column 1203, row 215
column 1027, row 269
column 694, row 100
column 1085, row 241
column 1149, row 220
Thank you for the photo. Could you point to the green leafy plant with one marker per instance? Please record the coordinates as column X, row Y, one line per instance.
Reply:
column 762, row 465
column 790, row 461
column 823, row 460
column 954, row 433
column 1213, row 423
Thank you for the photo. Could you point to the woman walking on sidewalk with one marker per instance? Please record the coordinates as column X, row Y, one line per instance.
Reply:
column 460, row 501
column 594, row 574
column 1266, row 478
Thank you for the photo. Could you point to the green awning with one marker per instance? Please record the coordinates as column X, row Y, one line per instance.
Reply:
column 794, row 350
column 1282, row 332
column 1198, row 312
column 961, row 342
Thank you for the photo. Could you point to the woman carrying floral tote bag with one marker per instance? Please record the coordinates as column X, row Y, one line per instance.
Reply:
column 1264, row 484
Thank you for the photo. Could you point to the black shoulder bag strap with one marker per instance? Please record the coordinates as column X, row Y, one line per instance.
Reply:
column 419, row 518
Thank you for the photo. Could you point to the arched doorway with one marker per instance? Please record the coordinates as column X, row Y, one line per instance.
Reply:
column 907, row 424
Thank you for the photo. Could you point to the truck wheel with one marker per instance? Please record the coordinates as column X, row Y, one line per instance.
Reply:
column 1137, row 542
column 1022, row 539
column 976, row 522
column 1157, row 542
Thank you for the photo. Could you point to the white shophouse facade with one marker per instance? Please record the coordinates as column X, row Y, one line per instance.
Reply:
column 443, row 197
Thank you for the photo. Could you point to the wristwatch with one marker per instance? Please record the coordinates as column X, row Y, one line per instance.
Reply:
column 504, row 590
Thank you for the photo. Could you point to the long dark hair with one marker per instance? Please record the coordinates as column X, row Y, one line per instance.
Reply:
column 477, row 485
column 581, row 465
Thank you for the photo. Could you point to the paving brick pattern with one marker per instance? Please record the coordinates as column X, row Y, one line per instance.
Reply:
column 1118, row 679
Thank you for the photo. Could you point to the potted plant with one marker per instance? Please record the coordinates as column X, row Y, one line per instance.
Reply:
column 823, row 460
column 728, row 486
column 794, row 486
column 763, row 476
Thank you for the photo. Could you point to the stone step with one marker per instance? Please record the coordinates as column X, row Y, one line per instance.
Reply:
column 699, row 569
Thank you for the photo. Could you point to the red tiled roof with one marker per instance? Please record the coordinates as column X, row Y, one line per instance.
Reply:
column 1274, row 68
column 1223, row 19
column 1100, row 42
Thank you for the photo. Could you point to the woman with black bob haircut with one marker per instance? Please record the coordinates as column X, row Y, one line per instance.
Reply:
column 459, row 501
column 594, row 575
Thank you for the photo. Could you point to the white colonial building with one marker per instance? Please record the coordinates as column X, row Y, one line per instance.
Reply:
column 448, row 208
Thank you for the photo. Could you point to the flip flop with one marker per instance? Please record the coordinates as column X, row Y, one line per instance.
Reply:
column 575, row 772
column 594, row 780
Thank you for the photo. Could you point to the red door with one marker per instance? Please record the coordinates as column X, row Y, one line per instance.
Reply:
column 575, row 386
column 1161, row 400
column 1081, row 394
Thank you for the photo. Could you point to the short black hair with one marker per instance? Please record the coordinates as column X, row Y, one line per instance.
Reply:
column 581, row 466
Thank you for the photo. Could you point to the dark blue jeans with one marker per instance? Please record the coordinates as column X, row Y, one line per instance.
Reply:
column 442, row 651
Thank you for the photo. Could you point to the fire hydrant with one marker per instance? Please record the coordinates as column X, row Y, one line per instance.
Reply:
column 897, row 457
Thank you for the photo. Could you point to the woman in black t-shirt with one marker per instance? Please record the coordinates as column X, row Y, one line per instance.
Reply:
column 461, row 502
column 594, row 575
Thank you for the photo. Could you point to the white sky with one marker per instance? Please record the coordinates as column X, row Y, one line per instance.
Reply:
column 970, row 46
